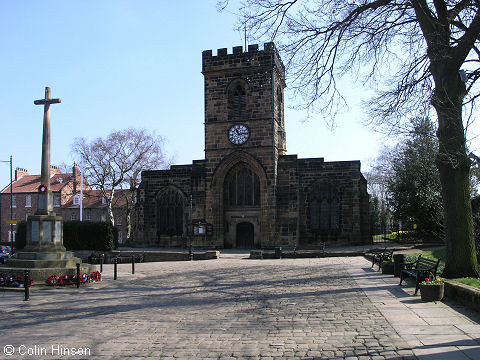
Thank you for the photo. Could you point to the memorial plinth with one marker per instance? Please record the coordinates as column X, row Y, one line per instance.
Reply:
column 44, row 253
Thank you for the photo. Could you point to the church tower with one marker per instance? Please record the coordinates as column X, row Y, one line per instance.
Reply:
column 244, row 137
column 247, row 192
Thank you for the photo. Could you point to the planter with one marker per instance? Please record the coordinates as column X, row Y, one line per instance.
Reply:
column 387, row 268
column 432, row 292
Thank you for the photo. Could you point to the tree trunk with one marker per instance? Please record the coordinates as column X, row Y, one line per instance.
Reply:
column 109, row 207
column 128, row 222
column 454, row 167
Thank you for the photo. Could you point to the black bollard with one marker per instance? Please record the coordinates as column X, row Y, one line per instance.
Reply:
column 26, row 284
column 78, row 275
column 278, row 252
column 115, row 262
column 133, row 264
column 294, row 252
column 102, row 257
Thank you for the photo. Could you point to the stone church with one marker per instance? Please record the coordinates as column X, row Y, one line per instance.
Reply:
column 247, row 192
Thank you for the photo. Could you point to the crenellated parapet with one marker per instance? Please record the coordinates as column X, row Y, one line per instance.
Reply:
column 268, row 57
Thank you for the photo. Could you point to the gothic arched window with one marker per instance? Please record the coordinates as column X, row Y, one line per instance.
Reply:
column 324, row 208
column 242, row 188
column 237, row 101
column 170, row 213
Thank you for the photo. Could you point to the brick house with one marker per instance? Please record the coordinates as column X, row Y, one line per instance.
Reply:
column 247, row 191
column 66, row 200
column 95, row 209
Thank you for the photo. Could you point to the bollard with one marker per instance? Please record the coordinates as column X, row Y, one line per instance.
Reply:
column 133, row 264
column 78, row 275
column 26, row 284
column 294, row 252
column 102, row 257
column 278, row 252
column 115, row 262
column 190, row 252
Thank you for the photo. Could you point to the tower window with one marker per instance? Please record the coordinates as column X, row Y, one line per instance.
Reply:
column 279, row 104
column 237, row 101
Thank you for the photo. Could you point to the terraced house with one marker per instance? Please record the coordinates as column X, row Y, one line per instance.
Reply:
column 66, row 201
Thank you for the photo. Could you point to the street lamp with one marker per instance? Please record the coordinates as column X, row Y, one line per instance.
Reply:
column 11, row 202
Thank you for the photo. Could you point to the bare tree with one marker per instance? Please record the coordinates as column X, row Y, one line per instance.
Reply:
column 416, row 53
column 117, row 161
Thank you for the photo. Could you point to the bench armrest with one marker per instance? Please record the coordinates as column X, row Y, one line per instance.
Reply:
column 407, row 265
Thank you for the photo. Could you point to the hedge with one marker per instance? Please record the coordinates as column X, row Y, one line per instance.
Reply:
column 78, row 235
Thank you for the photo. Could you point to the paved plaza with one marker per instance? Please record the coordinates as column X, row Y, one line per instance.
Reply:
column 237, row 308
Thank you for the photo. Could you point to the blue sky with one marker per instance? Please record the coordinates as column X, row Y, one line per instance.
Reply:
column 117, row 64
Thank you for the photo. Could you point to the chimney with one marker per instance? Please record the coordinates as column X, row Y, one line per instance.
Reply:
column 54, row 170
column 19, row 173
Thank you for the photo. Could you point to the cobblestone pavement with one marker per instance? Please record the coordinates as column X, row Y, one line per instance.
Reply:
column 231, row 308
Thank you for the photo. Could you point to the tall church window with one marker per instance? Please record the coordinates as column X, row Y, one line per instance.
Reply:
column 242, row 188
column 315, row 215
column 279, row 103
column 324, row 215
column 237, row 101
column 324, row 208
column 334, row 214
column 170, row 213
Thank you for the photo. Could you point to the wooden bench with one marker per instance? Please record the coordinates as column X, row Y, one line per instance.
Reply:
column 381, row 256
column 420, row 269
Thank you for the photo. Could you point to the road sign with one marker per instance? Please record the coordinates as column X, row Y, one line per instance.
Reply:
column 12, row 222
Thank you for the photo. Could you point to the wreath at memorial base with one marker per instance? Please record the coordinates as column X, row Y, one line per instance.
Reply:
column 65, row 280
column 14, row 280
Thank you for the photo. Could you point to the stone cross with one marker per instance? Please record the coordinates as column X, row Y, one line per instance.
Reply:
column 45, row 204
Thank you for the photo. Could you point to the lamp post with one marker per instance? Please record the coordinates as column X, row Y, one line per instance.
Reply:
column 11, row 201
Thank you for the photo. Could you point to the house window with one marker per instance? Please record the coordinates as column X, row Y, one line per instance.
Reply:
column 88, row 216
column 10, row 236
column 118, row 221
column 104, row 201
column 243, row 188
column 28, row 201
column 237, row 101
column 56, row 200
column 76, row 200
column 120, row 237
column 73, row 216
column 170, row 213
column 14, row 201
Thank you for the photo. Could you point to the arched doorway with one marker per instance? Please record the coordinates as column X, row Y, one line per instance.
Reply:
column 245, row 235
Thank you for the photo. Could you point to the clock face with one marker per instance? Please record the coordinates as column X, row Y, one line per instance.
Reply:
column 238, row 134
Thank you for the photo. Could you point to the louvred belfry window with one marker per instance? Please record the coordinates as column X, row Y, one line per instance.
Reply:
column 237, row 101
